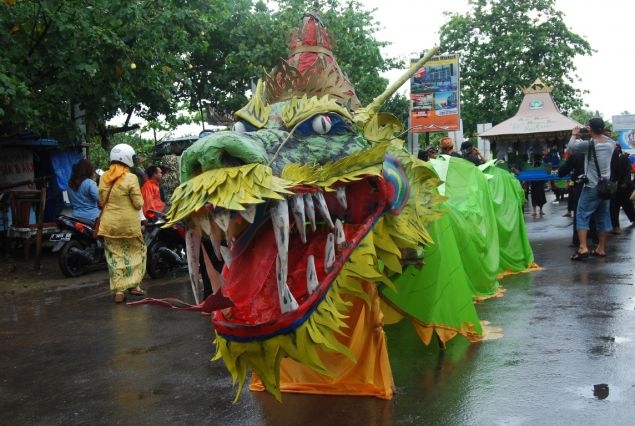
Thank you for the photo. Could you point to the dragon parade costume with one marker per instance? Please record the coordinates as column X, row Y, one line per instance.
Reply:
column 323, row 219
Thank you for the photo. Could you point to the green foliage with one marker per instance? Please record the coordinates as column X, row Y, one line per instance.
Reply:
column 505, row 45
column 144, row 148
column 91, row 60
column 399, row 106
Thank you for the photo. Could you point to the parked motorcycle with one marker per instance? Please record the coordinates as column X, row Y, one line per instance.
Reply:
column 79, row 252
column 166, row 246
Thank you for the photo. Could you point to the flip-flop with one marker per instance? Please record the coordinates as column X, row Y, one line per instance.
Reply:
column 597, row 253
column 136, row 291
column 580, row 256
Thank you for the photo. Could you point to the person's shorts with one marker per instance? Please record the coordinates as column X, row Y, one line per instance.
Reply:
column 588, row 204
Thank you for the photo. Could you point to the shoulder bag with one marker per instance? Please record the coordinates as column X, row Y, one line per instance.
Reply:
column 606, row 188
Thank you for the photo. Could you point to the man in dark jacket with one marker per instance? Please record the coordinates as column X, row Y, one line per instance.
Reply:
column 621, row 174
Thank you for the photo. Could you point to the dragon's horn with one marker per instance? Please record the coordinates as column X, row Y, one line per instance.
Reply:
column 363, row 114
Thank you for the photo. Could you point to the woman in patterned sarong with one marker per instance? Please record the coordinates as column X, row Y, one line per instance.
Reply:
column 120, row 225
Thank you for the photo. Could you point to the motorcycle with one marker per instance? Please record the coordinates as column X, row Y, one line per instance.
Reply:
column 79, row 252
column 166, row 246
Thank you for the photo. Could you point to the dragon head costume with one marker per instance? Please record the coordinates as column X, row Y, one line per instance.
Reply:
column 311, row 200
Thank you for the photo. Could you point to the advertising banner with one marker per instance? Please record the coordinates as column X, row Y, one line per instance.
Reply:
column 434, row 95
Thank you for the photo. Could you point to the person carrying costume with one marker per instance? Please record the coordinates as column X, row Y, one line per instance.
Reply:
column 447, row 147
column 151, row 192
column 82, row 191
column 121, row 200
column 471, row 153
column 590, row 202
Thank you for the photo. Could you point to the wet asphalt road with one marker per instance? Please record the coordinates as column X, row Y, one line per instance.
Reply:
column 74, row 357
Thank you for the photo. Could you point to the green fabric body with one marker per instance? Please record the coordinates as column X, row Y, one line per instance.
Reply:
column 473, row 218
column 440, row 293
column 508, row 197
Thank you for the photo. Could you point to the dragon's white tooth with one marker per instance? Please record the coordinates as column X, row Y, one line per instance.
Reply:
column 309, row 209
column 222, row 220
column 323, row 209
column 193, row 250
column 297, row 208
column 340, row 194
column 280, row 222
column 329, row 252
column 340, row 237
column 206, row 227
column 215, row 278
column 226, row 254
column 287, row 301
column 312, row 282
column 249, row 214
column 216, row 247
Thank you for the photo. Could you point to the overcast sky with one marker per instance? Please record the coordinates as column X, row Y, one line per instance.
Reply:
column 413, row 25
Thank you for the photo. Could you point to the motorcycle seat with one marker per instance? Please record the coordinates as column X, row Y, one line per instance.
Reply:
column 90, row 223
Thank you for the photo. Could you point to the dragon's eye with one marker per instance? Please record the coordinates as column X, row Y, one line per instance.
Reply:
column 242, row 127
column 321, row 124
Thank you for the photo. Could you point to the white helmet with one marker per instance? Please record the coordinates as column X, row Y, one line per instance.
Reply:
column 122, row 153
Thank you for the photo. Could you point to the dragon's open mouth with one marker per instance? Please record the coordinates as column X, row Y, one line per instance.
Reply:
column 280, row 266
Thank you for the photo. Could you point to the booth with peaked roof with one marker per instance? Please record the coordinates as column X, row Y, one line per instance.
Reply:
column 537, row 125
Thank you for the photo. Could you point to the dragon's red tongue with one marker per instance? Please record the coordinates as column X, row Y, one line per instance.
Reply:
column 251, row 280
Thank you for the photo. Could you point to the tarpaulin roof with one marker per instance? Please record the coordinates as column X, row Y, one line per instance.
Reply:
column 538, row 118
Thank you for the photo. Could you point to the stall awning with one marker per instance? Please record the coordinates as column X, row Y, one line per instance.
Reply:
column 538, row 118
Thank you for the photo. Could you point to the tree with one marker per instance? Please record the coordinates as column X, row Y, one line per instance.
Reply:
column 92, row 60
column 88, row 61
column 505, row 45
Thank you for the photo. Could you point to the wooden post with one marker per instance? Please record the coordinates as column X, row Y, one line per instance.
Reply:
column 40, row 223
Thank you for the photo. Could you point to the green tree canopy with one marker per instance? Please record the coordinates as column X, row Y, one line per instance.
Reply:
column 91, row 60
column 505, row 45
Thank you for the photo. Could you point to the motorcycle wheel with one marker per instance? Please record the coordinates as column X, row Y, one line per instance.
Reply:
column 155, row 266
column 70, row 264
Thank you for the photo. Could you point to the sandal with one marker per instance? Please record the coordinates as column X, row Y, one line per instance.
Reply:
column 597, row 253
column 580, row 256
column 119, row 297
column 136, row 291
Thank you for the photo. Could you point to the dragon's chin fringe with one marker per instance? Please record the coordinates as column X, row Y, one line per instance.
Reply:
column 320, row 330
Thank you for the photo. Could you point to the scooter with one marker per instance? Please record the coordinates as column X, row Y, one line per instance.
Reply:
column 79, row 252
column 166, row 246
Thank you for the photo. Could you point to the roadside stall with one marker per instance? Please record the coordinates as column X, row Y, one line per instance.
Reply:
column 33, row 174
column 537, row 128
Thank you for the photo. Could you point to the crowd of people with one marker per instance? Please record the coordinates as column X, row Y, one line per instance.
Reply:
column 594, row 217
column 120, row 203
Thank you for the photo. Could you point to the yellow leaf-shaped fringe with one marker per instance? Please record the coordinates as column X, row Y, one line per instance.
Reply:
column 256, row 112
column 382, row 127
column 232, row 188
column 354, row 167
column 298, row 109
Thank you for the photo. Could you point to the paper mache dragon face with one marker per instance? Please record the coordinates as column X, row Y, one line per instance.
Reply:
column 309, row 195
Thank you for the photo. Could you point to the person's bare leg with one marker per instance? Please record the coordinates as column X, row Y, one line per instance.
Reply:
column 601, row 248
column 582, row 234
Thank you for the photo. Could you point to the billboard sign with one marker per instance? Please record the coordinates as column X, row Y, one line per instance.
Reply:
column 623, row 122
column 434, row 95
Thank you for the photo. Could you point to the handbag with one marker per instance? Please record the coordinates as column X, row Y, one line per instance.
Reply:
column 606, row 188
column 96, row 227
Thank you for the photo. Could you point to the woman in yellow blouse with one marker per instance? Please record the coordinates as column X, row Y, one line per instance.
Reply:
column 120, row 225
